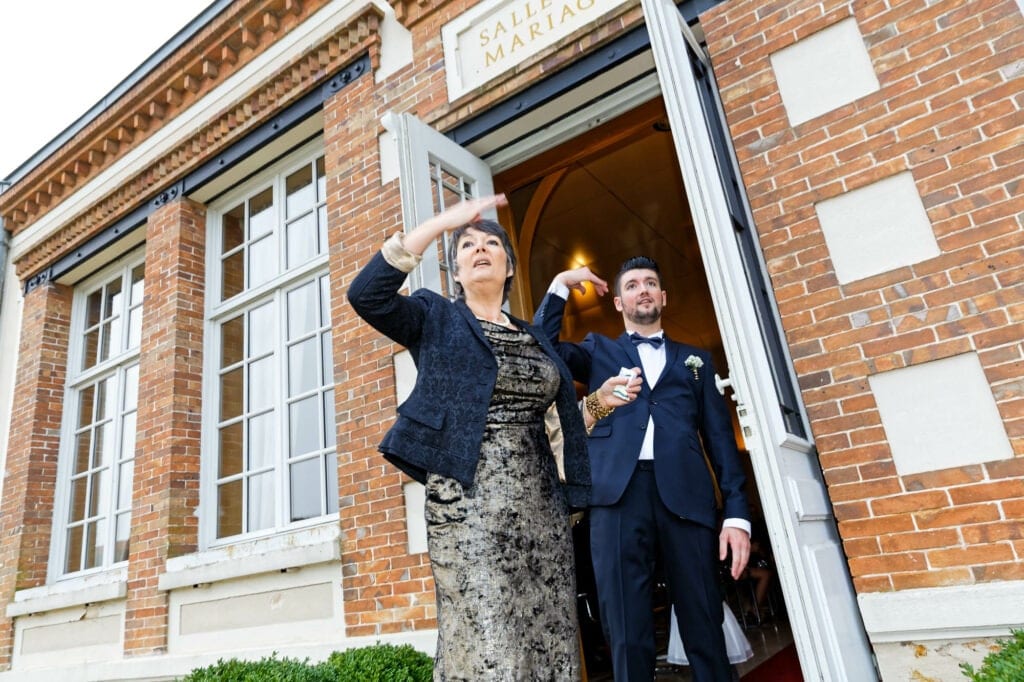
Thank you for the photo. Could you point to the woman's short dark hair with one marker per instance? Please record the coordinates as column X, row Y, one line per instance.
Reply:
column 636, row 263
column 490, row 227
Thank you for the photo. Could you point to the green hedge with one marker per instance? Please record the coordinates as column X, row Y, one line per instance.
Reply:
column 1005, row 665
column 376, row 663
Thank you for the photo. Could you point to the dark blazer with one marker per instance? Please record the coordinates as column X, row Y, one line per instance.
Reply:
column 687, row 413
column 440, row 426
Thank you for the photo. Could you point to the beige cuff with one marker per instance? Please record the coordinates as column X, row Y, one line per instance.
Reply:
column 398, row 256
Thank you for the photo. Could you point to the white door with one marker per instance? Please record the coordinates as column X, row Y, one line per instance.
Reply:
column 433, row 174
column 822, row 605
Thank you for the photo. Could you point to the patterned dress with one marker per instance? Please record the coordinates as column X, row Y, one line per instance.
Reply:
column 501, row 551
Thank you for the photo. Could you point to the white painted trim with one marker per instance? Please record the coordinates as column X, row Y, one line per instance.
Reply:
column 276, row 553
column 92, row 589
column 943, row 613
column 181, row 127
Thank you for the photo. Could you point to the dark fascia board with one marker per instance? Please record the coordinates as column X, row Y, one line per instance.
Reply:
column 285, row 120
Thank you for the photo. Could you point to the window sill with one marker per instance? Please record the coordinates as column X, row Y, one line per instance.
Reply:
column 91, row 589
column 308, row 546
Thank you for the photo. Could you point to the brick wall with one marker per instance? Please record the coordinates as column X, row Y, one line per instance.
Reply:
column 26, row 512
column 166, row 485
column 948, row 111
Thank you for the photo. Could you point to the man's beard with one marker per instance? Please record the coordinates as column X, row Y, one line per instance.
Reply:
column 644, row 318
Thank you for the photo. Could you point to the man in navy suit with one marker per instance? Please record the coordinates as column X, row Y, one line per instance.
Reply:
column 653, row 493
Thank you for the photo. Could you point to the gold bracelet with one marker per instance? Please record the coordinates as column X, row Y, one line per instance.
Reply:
column 596, row 410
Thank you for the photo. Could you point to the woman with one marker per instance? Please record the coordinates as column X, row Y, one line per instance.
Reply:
column 473, row 432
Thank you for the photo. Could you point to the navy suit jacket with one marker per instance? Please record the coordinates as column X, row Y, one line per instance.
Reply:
column 690, row 418
column 440, row 426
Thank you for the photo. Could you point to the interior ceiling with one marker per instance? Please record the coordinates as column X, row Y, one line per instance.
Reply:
column 622, row 200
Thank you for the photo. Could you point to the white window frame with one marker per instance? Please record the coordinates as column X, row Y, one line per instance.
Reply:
column 118, row 364
column 272, row 291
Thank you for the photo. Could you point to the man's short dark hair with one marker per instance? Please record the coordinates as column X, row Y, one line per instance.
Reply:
column 636, row 263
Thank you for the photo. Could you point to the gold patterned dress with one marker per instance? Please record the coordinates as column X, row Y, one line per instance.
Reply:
column 501, row 551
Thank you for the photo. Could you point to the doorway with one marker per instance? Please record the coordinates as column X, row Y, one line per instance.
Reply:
column 609, row 194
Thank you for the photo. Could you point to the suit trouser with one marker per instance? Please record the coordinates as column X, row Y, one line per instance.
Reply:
column 625, row 540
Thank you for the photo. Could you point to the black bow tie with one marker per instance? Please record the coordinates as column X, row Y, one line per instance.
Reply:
column 655, row 341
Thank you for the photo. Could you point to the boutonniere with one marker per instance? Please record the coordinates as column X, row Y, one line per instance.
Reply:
column 694, row 363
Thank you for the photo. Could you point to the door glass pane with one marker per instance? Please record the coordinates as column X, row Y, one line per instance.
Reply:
column 104, row 450
column 79, row 494
column 305, row 489
column 100, row 493
column 95, row 538
column 128, row 440
column 229, row 509
column 74, row 550
column 124, row 485
column 131, row 387
column 302, row 310
column 123, row 535
column 304, row 426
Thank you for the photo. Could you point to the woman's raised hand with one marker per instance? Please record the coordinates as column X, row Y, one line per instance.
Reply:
column 467, row 211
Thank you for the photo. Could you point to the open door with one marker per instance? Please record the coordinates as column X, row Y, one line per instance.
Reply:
column 434, row 173
column 812, row 568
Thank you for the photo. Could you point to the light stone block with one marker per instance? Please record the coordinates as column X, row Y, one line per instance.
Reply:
column 940, row 415
column 877, row 228
column 824, row 71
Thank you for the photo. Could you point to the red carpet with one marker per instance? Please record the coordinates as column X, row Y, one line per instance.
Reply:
column 784, row 666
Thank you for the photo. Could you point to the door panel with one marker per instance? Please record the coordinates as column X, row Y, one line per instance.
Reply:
column 812, row 568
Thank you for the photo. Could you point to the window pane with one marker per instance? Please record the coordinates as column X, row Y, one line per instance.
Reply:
column 299, row 191
column 305, row 489
column 330, row 427
column 104, row 349
column 138, row 284
column 103, row 453
column 90, row 347
column 261, row 502
column 100, row 493
column 261, row 441
column 321, row 228
column 105, row 396
column 85, row 405
column 95, row 538
column 79, row 494
column 128, row 443
column 262, row 330
column 303, row 367
column 231, row 394
column 261, row 215
column 232, row 233
column 325, row 301
column 123, row 535
column 231, row 341
column 124, row 485
column 327, row 361
column 261, row 385
column 93, row 308
column 262, row 262
column 230, row 450
column 302, row 310
column 112, row 309
column 232, row 280
column 229, row 509
column 83, row 443
column 131, row 388
column 74, row 550
column 302, row 240
column 321, row 180
column 304, row 426
column 331, row 479
column 134, row 327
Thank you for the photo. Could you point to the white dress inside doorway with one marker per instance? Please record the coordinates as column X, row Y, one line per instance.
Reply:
column 736, row 643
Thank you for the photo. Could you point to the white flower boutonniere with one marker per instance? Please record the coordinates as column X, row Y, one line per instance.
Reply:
column 694, row 363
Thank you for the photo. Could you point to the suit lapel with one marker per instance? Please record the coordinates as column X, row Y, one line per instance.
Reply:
column 671, row 353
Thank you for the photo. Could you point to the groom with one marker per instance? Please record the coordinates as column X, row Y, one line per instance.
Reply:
column 652, row 491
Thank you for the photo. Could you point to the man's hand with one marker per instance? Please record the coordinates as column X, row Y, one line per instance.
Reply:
column 737, row 540
column 575, row 279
